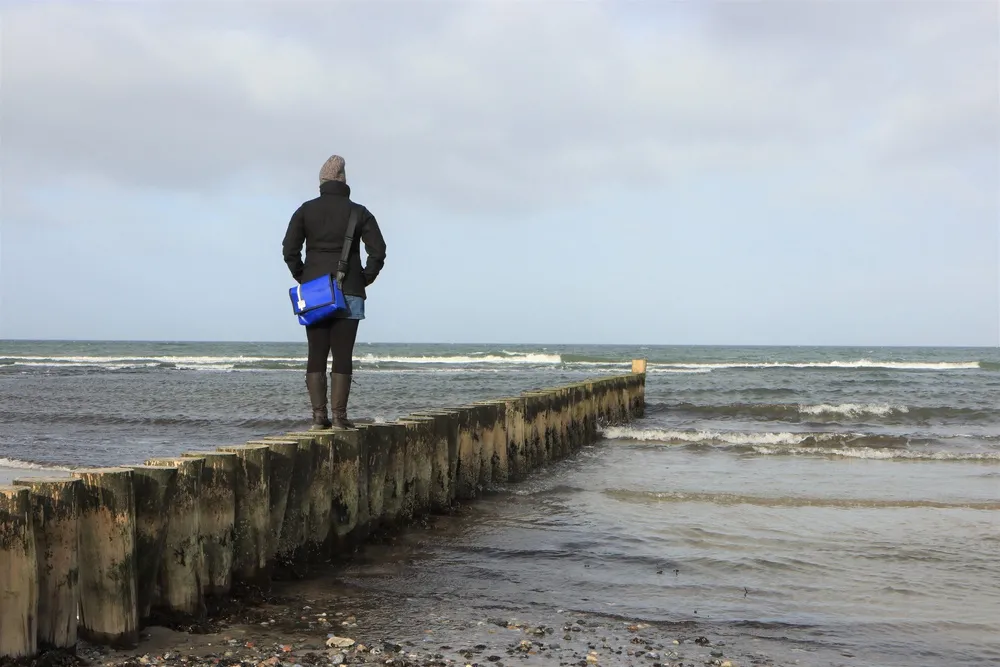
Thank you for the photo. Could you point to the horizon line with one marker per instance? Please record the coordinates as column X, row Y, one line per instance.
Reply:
column 486, row 344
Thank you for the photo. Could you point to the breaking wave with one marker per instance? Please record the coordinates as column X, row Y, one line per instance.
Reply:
column 18, row 464
column 850, row 365
column 251, row 363
column 797, row 412
column 749, row 438
column 629, row 495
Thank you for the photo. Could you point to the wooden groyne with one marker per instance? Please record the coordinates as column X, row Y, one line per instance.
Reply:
column 103, row 553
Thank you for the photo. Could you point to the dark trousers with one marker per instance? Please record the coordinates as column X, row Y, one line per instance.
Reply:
column 336, row 335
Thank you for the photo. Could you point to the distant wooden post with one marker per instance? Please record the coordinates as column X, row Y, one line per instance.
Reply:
column 638, row 365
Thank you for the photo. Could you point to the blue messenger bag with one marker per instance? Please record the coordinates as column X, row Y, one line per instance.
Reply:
column 323, row 297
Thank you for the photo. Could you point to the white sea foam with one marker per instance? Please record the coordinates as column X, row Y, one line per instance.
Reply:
column 503, row 358
column 17, row 464
column 722, row 437
column 676, row 369
column 859, row 363
column 854, row 409
column 506, row 358
column 228, row 363
column 878, row 454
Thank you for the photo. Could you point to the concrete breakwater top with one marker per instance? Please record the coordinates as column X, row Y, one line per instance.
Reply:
column 104, row 552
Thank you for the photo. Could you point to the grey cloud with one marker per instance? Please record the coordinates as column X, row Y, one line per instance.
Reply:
column 481, row 105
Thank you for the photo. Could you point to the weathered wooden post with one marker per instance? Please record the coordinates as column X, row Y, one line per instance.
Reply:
column 252, row 517
column 377, row 454
column 590, row 412
column 638, row 406
column 485, row 418
column 18, row 575
column 154, row 488
column 469, row 452
column 517, row 455
column 391, row 448
column 317, row 521
column 55, row 507
column 420, row 444
column 109, row 608
column 536, row 406
column 499, row 458
column 179, row 580
column 400, row 474
column 346, row 495
column 283, row 455
column 218, row 520
column 295, row 524
column 445, row 457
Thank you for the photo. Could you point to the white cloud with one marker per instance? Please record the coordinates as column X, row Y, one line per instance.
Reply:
column 496, row 105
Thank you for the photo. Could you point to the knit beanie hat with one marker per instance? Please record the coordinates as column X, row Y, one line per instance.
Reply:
column 333, row 170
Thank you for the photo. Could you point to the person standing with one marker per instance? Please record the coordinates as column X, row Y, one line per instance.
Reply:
column 321, row 224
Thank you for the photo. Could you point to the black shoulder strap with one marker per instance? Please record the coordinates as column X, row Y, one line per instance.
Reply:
column 352, row 223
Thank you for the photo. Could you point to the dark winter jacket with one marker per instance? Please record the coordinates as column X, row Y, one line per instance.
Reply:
column 321, row 224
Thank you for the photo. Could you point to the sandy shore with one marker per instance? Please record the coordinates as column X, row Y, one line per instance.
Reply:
column 320, row 623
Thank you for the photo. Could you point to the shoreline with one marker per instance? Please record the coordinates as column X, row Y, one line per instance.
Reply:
column 9, row 474
column 324, row 619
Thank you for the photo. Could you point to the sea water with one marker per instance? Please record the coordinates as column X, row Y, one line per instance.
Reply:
column 844, row 501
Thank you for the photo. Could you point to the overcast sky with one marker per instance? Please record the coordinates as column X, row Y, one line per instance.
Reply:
column 552, row 172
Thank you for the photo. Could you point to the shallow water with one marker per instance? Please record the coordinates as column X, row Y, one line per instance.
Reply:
column 844, row 500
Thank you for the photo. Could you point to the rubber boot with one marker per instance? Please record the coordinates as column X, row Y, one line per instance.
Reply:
column 316, row 384
column 341, row 389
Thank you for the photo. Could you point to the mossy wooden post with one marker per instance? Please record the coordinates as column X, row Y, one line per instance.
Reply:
column 600, row 403
column 252, row 515
column 621, row 400
column 517, row 461
column 345, row 495
column 420, row 445
column 535, row 423
column 560, row 422
column 289, row 533
column 293, row 529
column 579, row 415
column 18, row 575
column 363, row 527
column 590, row 412
column 283, row 455
column 401, row 477
column 501, row 444
column 377, row 449
column 154, row 488
column 392, row 446
column 218, row 520
column 179, row 583
column 469, row 453
column 485, row 419
column 487, row 416
column 624, row 394
column 317, row 520
column 556, row 437
column 109, row 611
column 55, row 507
column 569, row 418
column 638, row 405
column 445, row 461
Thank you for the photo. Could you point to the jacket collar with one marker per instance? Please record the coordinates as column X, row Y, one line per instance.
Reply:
column 335, row 188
